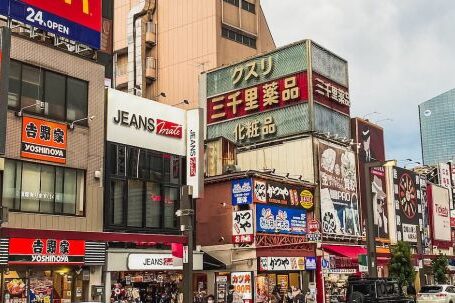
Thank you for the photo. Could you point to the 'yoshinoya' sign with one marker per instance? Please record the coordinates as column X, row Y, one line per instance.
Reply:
column 140, row 122
column 46, row 251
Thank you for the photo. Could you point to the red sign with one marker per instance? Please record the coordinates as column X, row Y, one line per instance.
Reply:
column 45, row 251
column 262, row 97
column 239, row 239
column 83, row 12
column 313, row 226
column 168, row 129
column 43, row 140
column 192, row 166
column 331, row 94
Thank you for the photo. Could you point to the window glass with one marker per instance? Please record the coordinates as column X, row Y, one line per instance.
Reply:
column 121, row 160
column 113, row 159
column 156, row 166
column 133, row 157
column 59, row 190
column 134, row 218
column 80, row 195
column 30, row 187
column 171, row 196
column 31, row 88
column 47, row 189
column 69, row 192
column 9, row 186
column 153, row 205
column 117, row 201
column 77, row 94
column 14, row 89
column 54, row 95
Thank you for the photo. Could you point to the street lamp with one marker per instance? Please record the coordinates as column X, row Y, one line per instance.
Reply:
column 80, row 120
column 38, row 103
column 371, row 238
column 181, row 102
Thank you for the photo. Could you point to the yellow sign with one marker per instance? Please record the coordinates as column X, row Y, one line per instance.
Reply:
column 307, row 200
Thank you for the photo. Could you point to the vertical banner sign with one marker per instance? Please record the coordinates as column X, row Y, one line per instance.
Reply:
column 243, row 286
column 379, row 195
column 408, row 207
column 78, row 20
column 339, row 204
column 444, row 175
column 440, row 209
column 5, row 45
column 43, row 140
column 195, row 151
column 242, row 192
column 242, row 227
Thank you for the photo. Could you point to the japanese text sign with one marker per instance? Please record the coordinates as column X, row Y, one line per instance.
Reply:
column 43, row 140
column 255, row 129
column 242, row 282
column 78, row 20
column 310, row 263
column 439, row 200
column 276, row 219
column 254, row 69
column 331, row 94
column 281, row 263
column 262, row 97
column 46, row 251
column 242, row 226
column 338, row 183
column 241, row 192
column 444, row 175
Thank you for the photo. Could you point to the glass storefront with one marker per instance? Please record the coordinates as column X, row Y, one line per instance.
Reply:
column 142, row 189
column 56, row 285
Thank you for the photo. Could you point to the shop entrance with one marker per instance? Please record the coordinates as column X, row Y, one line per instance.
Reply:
column 147, row 286
column 59, row 285
column 266, row 282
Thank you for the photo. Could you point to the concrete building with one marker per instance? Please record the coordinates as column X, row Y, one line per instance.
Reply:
column 173, row 41
column 436, row 128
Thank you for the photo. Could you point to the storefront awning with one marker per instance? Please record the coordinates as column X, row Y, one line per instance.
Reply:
column 351, row 252
column 211, row 263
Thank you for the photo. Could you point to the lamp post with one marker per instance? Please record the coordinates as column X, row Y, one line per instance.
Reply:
column 371, row 235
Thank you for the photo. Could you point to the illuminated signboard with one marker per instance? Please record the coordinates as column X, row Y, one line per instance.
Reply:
column 78, row 20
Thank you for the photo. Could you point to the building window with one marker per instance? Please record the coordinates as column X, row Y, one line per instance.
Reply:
column 65, row 98
column 248, row 6
column 238, row 37
column 233, row 2
column 143, row 191
column 32, row 187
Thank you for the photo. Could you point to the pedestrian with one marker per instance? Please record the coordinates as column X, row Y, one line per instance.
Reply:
column 276, row 296
column 210, row 299
column 289, row 296
column 230, row 295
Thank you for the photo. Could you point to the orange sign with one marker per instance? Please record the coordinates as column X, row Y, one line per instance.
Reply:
column 43, row 140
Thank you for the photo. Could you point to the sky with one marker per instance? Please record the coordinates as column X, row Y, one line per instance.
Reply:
column 400, row 54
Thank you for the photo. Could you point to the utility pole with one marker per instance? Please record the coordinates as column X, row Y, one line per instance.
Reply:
column 186, row 214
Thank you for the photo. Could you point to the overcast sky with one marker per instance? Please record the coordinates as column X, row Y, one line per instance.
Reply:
column 400, row 53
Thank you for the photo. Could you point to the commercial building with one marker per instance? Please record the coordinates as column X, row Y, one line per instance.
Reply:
column 286, row 112
column 436, row 128
column 161, row 46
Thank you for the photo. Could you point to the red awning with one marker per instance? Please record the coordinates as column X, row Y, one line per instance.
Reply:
column 351, row 252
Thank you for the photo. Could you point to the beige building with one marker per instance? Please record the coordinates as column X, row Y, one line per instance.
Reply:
column 175, row 40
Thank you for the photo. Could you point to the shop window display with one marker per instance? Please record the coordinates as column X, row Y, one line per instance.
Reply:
column 147, row 287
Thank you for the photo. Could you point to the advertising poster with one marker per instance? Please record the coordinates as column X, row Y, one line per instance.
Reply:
column 379, row 196
column 243, row 286
column 242, row 226
column 40, row 289
column 338, row 183
column 371, row 139
column 43, row 140
column 426, row 234
column 241, row 192
column 408, row 207
column 275, row 219
column 440, row 211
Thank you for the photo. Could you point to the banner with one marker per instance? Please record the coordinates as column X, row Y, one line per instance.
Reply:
column 407, row 204
column 44, row 140
column 280, row 220
column 338, row 184
column 195, row 151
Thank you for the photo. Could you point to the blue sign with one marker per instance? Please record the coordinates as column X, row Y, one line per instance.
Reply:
column 76, row 20
column 280, row 220
column 242, row 192
column 310, row 263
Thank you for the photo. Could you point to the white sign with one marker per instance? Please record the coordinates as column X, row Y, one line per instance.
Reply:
column 242, row 226
column 409, row 232
column 195, row 151
column 242, row 282
column 144, row 123
column 444, row 175
column 151, row 262
column 441, row 213
column 282, row 263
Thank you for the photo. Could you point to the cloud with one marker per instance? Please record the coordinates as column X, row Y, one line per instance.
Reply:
column 400, row 54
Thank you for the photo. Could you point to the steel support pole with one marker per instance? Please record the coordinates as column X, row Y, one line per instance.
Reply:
column 186, row 221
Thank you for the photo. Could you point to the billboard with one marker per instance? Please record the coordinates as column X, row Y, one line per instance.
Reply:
column 338, row 187
column 331, row 94
column 44, row 140
column 275, row 219
column 408, row 207
column 440, row 213
column 371, row 139
column 379, row 200
column 5, row 45
column 78, row 20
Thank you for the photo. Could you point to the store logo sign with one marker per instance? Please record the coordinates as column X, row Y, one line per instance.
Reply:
column 441, row 210
column 168, row 129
